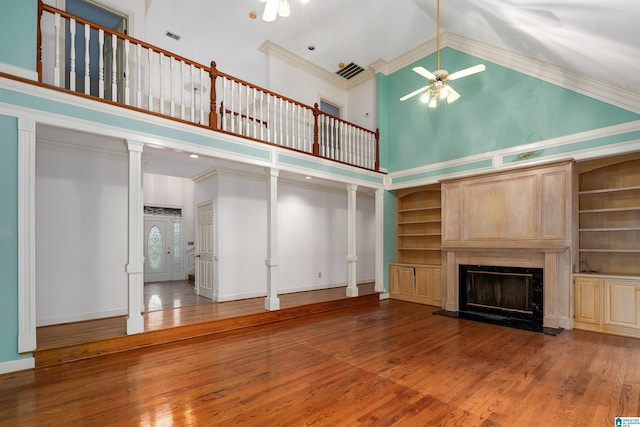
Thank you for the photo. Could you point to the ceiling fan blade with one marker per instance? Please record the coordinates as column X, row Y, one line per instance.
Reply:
column 424, row 73
column 467, row 72
column 270, row 10
column 414, row 93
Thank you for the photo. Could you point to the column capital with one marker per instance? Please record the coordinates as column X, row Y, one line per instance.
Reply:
column 134, row 146
column 352, row 187
column 274, row 172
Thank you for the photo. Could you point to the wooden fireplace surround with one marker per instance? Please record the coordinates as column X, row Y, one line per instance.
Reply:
column 521, row 218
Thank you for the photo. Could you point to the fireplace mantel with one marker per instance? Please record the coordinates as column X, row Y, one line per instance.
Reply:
column 519, row 218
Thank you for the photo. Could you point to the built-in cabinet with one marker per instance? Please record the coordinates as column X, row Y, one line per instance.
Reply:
column 415, row 276
column 607, row 304
column 607, row 286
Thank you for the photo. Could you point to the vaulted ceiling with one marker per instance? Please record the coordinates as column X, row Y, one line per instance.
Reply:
column 592, row 37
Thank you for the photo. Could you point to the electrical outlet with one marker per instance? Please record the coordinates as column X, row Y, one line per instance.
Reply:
column 319, row 274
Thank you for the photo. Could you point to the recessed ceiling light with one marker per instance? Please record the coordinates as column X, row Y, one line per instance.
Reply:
column 307, row 177
column 194, row 156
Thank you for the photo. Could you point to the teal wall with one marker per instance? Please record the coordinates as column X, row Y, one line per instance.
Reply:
column 8, row 239
column 18, row 30
column 389, row 236
column 499, row 108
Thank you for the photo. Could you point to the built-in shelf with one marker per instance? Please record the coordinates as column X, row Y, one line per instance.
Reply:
column 609, row 215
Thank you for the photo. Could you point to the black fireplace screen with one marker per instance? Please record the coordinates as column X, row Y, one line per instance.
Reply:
column 506, row 295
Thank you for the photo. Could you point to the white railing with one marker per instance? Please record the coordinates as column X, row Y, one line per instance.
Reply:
column 87, row 58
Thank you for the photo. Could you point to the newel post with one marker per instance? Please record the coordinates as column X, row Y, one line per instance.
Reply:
column 377, row 165
column 213, row 117
column 316, row 144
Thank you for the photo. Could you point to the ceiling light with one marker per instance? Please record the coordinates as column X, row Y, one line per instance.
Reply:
column 307, row 177
column 284, row 9
column 194, row 156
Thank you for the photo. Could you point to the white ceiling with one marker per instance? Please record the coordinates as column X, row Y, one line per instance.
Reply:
column 594, row 37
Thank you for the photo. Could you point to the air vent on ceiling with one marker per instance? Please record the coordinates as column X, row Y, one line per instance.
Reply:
column 172, row 35
column 350, row 71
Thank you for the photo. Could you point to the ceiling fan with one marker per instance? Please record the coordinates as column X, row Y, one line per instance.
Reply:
column 275, row 8
column 438, row 89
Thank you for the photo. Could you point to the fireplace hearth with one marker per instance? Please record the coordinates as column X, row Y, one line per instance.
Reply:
column 508, row 296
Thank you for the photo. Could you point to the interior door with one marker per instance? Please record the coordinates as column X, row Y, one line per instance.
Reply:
column 204, row 277
column 157, row 250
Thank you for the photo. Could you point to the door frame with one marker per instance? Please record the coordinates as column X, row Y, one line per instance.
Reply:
column 214, row 230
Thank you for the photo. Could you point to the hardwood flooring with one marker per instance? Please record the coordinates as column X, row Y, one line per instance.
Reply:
column 173, row 294
column 394, row 364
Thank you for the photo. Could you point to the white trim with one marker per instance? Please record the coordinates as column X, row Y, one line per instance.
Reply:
column 17, row 365
column 497, row 156
column 384, row 295
column 18, row 71
column 379, row 240
column 26, row 236
column 584, row 84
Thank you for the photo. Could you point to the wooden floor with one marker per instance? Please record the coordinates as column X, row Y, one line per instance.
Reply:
column 392, row 364
column 75, row 341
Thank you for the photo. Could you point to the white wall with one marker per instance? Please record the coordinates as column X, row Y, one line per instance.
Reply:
column 312, row 235
column 81, row 234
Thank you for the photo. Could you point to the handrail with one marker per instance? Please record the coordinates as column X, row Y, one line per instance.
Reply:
column 136, row 74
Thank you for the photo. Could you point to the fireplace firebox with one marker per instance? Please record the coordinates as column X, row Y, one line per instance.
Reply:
column 509, row 296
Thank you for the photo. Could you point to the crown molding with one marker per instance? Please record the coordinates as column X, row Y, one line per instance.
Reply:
column 271, row 49
column 203, row 176
column 619, row 96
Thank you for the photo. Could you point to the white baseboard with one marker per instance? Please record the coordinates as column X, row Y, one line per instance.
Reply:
column 17, row 365
column 80, row 317
column 384, row 296
column 233, row 297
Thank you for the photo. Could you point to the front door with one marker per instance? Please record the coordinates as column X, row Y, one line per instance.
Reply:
column 204, row 277
column 163, row 259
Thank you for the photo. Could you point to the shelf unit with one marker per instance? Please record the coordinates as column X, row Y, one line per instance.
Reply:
column 419, row 225
column 415, row 276
column 609, row 216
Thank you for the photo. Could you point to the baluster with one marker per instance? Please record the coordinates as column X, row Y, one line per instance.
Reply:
column 172, row 103
column 114, row 68
column 193, row 103
column 101, row 63
column 127, row 89
column 72, row 63
column 239, row 116
column 294, row 140
column 182, row 89
column 269, row 124
column 255, row 117
column 150, row 94
column 232, row 118
column 202, row 92
column 247, row 108
column 262, row 115
column 56, row 68
column 280, row 126
column 139, row 75
column 286, row 124
column 161, row 65
column 223, row 104
column 87, row 58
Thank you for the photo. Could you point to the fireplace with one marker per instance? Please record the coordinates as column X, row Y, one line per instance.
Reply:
column 509, row 296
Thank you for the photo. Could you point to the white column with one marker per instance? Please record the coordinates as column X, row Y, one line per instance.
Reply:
column 135, row 266
column 352, row 259
column 272, row 302
column 26, row 236
column 379, row 241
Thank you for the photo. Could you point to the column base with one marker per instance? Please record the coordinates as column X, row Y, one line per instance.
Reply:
column 135, row 325
column 272, row 304
column 352, row 291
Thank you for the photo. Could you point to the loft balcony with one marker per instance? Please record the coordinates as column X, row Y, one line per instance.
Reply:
column 90, row 60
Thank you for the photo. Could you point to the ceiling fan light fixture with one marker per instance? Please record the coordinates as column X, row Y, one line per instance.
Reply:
column 284, row 9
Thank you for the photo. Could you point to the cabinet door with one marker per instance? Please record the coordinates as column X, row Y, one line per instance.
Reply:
column 587, row 290
column 620, row 303
column 428, row 284
column 394, row 279
column 406, row 284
